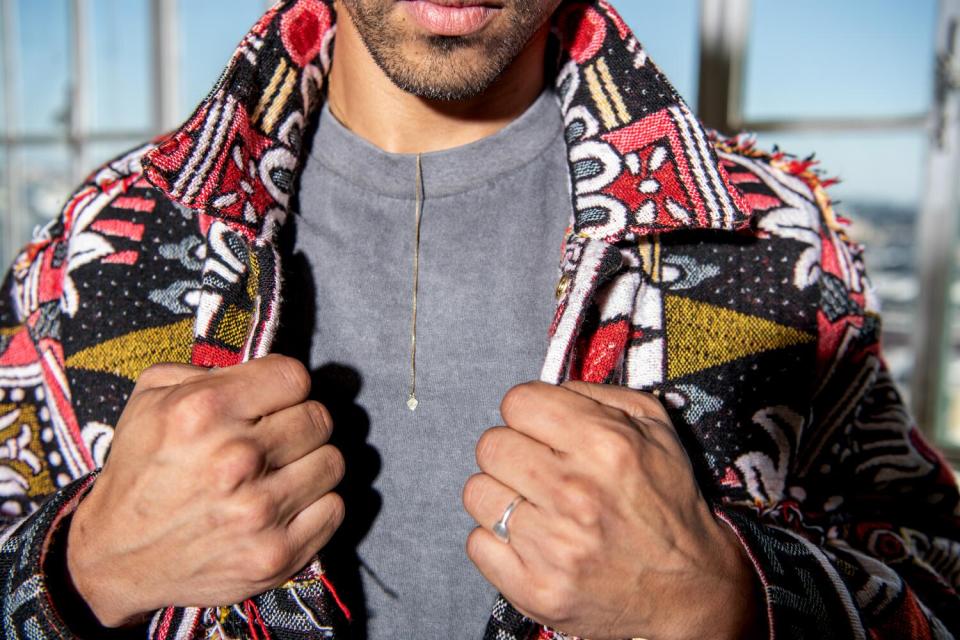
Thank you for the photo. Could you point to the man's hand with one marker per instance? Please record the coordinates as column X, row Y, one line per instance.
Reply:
column 614, row 539
column 217, row 487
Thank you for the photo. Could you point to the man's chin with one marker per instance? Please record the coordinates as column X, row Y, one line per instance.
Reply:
column 440, row 92
column 444, row 76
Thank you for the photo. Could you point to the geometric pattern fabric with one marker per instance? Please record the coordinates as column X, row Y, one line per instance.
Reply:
column 696, row 267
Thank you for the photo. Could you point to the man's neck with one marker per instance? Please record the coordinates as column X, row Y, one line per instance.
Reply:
column 363, row 98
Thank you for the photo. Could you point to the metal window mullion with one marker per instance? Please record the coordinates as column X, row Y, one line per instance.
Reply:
column 39, row 139
column 79, row 89
column 724, row 33
column 841, row 124
column 11, row 223
column 166, row 65
column 937, row 233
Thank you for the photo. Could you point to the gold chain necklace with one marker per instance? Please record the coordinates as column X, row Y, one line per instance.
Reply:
column 412, row 401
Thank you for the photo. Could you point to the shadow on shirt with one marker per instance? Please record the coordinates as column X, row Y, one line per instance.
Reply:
column 337, row 387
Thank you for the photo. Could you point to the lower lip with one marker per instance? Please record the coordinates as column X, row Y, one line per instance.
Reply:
column 449, row 21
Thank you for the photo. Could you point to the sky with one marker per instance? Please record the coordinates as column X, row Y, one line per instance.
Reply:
column 816, row 58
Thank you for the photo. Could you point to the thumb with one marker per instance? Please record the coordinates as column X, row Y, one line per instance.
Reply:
column 636, row 404
column 167, row 374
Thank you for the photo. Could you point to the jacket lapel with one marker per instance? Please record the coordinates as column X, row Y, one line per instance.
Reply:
column 640, row 164
column 236, row 162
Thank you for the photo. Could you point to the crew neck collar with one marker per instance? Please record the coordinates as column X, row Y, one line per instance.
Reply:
column 446, row 172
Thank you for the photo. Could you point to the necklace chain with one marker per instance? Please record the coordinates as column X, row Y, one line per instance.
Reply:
column 412, row 401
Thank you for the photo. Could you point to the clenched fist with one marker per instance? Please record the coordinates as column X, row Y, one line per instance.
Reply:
column 218, row 487
column 614, row 539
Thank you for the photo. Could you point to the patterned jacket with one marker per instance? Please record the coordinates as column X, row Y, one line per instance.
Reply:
column 697, row 268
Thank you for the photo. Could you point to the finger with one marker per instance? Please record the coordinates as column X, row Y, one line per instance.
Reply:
column 262, row 386
column 306, row 480
column 486, row 500
column 550, row 414
column 167, row 374
column 520, row 462
column 292, row 433
column 636, row 404
column 499, row 564
column 313, row 527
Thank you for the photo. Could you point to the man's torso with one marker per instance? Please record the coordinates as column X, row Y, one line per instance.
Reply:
column 493, row 220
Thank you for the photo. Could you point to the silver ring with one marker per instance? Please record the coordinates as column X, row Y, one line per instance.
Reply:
column 500, row 528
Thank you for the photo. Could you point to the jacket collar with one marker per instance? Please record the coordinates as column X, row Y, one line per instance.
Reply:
column 640, row 162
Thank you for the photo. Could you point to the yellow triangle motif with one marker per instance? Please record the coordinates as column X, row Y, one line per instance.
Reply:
column 128, row 355
column 701, row 336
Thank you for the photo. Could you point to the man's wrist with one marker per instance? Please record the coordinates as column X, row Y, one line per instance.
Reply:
column 739, row 602
column 70, row 605
column 100, row 605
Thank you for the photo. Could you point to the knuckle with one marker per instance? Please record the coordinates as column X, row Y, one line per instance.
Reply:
column 338, row 510
column 319, row 417
column 487, row 446
column 156, row 374
column 258, row 511
column 334, row 510
column 648, row 406
column 615, row 448
column 237, row 463
column 579, row 501
column 336, row 465
column 473, row 492
column 473, row 545
column 292, row 373
column 271, row 562
column 193, row 412
column 516, row 399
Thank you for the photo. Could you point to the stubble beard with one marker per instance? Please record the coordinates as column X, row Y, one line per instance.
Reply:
column 453, row 67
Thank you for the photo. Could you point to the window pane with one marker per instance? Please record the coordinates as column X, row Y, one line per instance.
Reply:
column 120, row 87
column 102, row 152
column 881, row 175
column 3, row 95
column 209, row 33
column 6, row 246
column 44, row 44
column 950, row 399
column 45, row 185
column 670, row 33
column 823, row 58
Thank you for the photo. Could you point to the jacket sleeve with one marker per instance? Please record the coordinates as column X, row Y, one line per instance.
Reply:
column 36, row 497
column 867, row 542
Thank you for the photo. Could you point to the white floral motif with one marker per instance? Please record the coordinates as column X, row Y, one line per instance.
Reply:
column 17, row 448
column 97, row 437
column 765, row 477
column 12, row 484
column 798, row 220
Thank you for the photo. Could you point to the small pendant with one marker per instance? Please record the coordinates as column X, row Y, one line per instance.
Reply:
column 412, row 402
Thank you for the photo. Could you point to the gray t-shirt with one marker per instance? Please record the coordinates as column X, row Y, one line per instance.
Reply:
column 494, row 213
